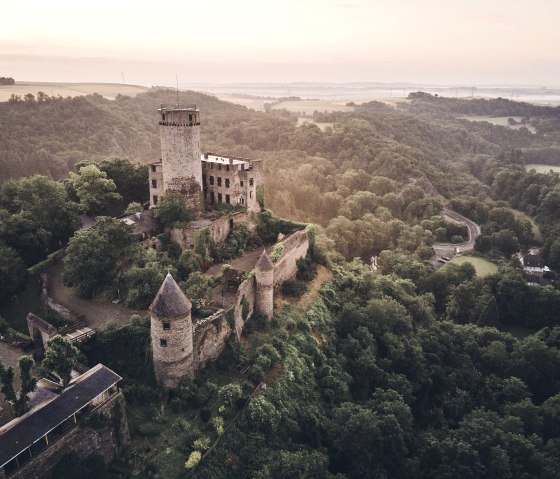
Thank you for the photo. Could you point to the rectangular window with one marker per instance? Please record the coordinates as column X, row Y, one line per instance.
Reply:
column 204, row 180
column 153, row 167
column 219, row 167
column 166, row 326
column 241, row 183
column 212, row 165
column 163, row 343
column 219, row 197
column 227, row 182
column 155, row 198
column 227, row 199
column 219, row 181
column 250, row 194
column 154, row 183
column 211, row 180
column 250, row 181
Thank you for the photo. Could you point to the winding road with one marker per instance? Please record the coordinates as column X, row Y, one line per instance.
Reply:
column 473, row 229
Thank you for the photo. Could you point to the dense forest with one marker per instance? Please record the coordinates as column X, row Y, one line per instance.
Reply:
column 406, row 371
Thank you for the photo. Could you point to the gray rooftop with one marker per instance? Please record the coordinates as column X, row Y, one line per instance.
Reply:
column 264, row 261
column 32, row 427
column 170, row 301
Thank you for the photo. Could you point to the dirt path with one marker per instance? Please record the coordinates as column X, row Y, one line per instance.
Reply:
column 98, row 313
column 10, row 355
column 301, row 304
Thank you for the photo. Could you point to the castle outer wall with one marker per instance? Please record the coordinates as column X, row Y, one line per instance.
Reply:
column 210, row 335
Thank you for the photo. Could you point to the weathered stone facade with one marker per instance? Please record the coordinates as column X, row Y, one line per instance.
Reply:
column 295, row 247
column 264, row 277
column 85, row 441
column 171, row 332
column 179, row 130
column 209, row 179
column 231, row 180
column 219, row 229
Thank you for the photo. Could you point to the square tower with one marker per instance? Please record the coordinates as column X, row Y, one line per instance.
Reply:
column 179, row 129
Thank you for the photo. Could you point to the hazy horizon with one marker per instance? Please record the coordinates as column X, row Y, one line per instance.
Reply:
column 250, row 41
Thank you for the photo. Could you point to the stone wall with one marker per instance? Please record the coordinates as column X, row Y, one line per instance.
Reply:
column 219, row 229
column 295, row 247
column 246, row 290
column 63, row 311
column 83, row 441
column 210, row 335
column 210, row 339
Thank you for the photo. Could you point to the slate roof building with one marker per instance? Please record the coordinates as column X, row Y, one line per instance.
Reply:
column 25, row 438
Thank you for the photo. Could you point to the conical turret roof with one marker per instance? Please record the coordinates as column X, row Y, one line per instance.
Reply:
column 170, row 301
column 264, row 261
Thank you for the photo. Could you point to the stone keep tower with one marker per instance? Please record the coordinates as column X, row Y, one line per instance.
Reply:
column 264, row 276
column 172, row 335
column 179, row 130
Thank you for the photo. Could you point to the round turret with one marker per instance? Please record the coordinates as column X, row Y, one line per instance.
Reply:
column 264, row 276
column 171, row 334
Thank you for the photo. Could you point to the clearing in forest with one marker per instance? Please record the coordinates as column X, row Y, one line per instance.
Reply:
column 482, row 266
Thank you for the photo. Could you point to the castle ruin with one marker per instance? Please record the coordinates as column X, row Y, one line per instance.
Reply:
column 181, row 345
column 203, row 180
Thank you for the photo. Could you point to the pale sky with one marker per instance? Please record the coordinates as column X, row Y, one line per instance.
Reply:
column 220, row 41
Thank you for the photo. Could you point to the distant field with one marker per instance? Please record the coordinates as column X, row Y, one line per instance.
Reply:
column 499, row 120
column 482, row 267
column 542, row 168
column 108, row 90
column 519, row 215
column 309, row 106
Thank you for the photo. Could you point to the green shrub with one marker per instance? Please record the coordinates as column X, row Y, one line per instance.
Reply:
column 294, row 287
column 175, row 405
column 205, row 414
column 148, row 429
column 305, row 270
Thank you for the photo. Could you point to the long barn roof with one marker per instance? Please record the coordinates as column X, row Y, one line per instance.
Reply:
column 32, row 427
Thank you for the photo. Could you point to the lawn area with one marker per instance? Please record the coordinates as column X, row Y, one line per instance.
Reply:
column 542, row 168
column 519, row 215
column 482, row 266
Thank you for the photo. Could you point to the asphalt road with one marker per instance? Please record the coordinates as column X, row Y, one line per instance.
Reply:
column 473, row 228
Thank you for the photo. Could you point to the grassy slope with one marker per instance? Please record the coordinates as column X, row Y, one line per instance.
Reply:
column 482, row 267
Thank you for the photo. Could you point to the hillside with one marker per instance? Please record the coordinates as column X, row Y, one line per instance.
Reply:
column 107, row 90
column 402, row 370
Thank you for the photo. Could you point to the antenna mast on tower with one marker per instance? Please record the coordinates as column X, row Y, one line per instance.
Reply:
column 177, row 84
